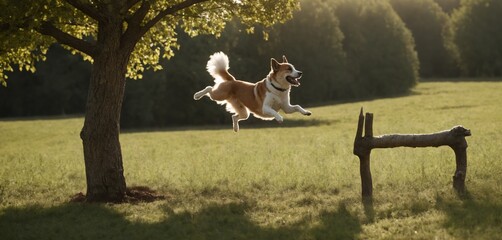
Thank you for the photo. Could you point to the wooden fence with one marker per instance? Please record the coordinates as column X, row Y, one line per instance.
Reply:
column 454, row 138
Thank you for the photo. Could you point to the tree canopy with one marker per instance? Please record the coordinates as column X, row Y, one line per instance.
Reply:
column 428, row 24
column 380, row 49
column 448, row 5
column 28, row 30
column 476, row 37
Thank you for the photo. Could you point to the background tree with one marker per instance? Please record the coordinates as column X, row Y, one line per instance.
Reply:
column 476, row 37
column 313, row 42
column 58, row 87
column 120, row 38
column 427, row 22
column 380, row 49
column 448, row 6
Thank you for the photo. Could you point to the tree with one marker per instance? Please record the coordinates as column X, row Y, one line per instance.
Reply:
column 476, row 37
column 448, row 5
column 380, row 49
column 427, row 22
column 120, row 38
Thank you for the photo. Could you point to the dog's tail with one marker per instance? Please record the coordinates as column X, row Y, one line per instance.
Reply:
column 217, row 66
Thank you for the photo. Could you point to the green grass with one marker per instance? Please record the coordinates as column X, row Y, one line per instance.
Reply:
column 298, row 180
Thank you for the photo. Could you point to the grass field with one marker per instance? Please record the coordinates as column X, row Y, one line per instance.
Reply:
column 298, row 180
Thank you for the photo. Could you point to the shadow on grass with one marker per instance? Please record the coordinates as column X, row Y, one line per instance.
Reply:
column 215, row 221
column 48, row 117
column 470, row 217
column 252, row 123
column 288, row 123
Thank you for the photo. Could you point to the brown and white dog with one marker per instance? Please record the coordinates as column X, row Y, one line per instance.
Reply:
column 264, row 98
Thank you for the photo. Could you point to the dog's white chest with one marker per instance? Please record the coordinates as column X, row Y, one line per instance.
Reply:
column 273, row 101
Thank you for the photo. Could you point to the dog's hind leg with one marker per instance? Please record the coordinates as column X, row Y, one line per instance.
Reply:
column 241, row 113
column 218, row 92
column 198, row 95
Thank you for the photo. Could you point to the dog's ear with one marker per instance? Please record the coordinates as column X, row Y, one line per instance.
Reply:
column 284, row 59
column 274, row 65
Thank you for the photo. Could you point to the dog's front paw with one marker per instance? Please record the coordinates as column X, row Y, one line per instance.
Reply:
column 279, row 119
column 307, row 113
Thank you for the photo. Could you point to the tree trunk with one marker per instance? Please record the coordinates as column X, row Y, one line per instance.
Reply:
column 100, row 133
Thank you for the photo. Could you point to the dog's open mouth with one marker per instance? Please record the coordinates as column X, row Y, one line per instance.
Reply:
column 294, row 81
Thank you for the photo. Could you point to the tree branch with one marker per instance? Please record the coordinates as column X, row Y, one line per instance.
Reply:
column 64, row 38
column 133, row 31
column 86, row 9
column 169, row 11
column 139, row 15
column 130, row 4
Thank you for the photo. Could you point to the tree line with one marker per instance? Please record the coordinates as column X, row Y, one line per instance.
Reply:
column 347, row 49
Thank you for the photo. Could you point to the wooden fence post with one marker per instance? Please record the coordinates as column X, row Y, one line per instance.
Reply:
column 363, row 151
column 454, row 138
